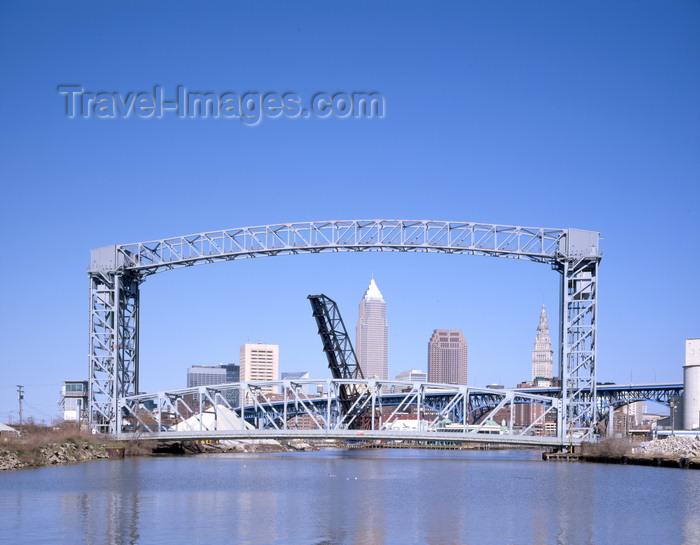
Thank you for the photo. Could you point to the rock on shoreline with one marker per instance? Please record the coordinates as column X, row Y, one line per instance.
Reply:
column 674, row 445
column 48, row 454
column 71, row 452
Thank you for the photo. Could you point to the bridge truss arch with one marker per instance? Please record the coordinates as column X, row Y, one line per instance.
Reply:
column 115, row 273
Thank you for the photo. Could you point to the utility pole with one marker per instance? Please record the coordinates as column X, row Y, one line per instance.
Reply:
column 20, row 396
column 672, row 404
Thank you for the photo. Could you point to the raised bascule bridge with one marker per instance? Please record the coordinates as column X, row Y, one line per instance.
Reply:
column 350, row 405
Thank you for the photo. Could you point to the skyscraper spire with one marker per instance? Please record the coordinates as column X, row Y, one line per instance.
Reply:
column 542, row 354
column 373, row 291
column 371, row 343
column 543, row 327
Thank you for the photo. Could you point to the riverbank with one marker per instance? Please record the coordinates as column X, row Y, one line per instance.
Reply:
column 674, row 451
column 68, row 452
column 182, row 448
column 641, row 460
column 40, row 446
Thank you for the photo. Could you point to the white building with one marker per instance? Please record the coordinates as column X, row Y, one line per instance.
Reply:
column 259, row 362
column 691, row 385
column 542, row 354
column 372, row 335
column 413, row 375
column 74, row 400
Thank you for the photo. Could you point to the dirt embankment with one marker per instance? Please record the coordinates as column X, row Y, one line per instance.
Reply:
column 68, row 452
column 66, row 444
column 28, row 453
column 40, row 445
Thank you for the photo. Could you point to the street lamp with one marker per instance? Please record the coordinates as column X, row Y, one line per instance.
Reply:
column 672, row 404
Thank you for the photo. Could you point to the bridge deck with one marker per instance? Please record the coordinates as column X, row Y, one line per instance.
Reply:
column 355, row 435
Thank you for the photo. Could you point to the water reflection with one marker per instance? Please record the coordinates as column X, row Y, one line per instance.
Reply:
column 337, row 497
column 107, row 512
column 689, row 492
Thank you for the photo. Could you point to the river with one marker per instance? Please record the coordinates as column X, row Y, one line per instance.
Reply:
column 372, row 497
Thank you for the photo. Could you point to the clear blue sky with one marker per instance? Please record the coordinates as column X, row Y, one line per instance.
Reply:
column 546, row 114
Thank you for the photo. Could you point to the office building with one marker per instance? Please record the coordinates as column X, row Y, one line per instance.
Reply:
column 233, row 374
column 372, row 335
column 542, row 354
column 447, row 357
column 259, row 362
column 205, row 375
column 413, row 375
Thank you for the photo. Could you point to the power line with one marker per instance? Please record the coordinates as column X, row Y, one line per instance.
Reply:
column 39, row 410
column 20, row 396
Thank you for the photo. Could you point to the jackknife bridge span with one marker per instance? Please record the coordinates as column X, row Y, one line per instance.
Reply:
column 116, row 272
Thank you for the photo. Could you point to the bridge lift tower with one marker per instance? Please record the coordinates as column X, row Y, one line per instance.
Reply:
column 339, row 351
column 116, row 273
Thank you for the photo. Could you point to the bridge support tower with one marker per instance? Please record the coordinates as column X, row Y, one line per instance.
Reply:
column 117, row 271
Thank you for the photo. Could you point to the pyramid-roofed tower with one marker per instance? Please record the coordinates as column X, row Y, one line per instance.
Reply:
column 542, row 354
column 372, row 335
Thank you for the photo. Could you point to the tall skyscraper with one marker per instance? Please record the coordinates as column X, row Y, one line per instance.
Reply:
column 447, row 357
column 542, row 354
column 259, row 362
column 372, row 335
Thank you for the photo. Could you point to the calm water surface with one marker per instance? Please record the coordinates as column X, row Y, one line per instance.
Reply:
column 369, row 497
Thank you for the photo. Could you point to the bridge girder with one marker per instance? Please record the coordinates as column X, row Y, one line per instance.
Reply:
column 428, row 409
column 116, row 271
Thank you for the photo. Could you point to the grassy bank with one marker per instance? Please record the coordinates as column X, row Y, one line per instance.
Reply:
column 51, row 445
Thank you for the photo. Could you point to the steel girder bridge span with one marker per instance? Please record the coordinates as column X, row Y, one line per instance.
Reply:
column 285, row 409
column 116, row 272
column 618, row 395
column 610, row 397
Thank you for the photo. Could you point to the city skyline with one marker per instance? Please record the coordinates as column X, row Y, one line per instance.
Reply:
column 542, row 353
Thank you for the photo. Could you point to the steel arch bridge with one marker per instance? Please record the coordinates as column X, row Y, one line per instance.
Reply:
column 116, row 272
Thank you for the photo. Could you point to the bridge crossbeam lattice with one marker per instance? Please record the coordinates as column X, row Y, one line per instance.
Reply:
column 285, row 409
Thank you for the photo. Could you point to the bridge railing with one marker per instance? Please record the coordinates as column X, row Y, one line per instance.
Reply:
column 263, row 407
